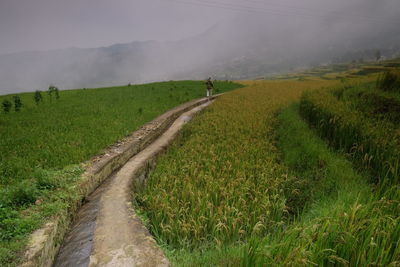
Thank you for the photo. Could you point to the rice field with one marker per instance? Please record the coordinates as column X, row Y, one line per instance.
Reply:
column 251, row 182
column 222, row 181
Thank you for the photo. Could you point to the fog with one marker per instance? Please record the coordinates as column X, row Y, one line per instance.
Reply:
column 91, row 43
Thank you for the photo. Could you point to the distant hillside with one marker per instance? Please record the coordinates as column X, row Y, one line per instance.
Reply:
column 226, row 51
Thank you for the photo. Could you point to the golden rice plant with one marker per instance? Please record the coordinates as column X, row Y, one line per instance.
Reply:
column 221, row 181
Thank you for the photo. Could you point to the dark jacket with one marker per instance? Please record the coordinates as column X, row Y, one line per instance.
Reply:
column 209, row 85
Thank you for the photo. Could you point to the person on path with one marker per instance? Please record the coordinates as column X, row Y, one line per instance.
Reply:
column 210, row 87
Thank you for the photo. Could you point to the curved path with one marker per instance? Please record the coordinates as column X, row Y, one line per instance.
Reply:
column 107, row 231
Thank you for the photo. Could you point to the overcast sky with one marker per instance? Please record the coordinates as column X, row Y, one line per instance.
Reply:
column 52, row 24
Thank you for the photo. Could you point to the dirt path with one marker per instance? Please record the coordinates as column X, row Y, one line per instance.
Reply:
column 107, row 231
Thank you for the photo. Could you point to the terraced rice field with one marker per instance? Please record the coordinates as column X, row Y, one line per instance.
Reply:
column 222, row 182
column 251, row 183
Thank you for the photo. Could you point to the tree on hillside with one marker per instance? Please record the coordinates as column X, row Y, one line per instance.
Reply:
column 53, row 89
column 56, row 91
column 38, row 97
column 6, row 106
column 17, row 103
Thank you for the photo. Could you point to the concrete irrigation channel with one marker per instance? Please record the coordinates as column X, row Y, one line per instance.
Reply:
column 105, row 230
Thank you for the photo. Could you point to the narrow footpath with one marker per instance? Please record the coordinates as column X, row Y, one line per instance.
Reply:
column 107, row 231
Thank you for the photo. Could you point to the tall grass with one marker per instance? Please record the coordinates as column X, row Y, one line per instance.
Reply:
column 373, row 144
column 374, row 103
column 346, row 223
column 389, row 81
column 368, row 233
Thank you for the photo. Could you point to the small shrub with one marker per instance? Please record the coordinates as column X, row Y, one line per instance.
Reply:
column 140, row 110
column 56, row 91
column 45, row 180
column 8, row 217
column 11, row 225
column 6, row 106
column 38, row 97
column 384, row 106
column 17, row 103
column 23, row 193
column 52, row 89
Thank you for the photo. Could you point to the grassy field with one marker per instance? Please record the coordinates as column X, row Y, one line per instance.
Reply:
column 251, row 182
column 42, row 145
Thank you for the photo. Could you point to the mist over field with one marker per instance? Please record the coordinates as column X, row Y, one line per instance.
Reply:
column 190, row 39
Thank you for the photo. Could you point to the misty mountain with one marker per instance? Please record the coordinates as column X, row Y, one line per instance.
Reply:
column 247, row 47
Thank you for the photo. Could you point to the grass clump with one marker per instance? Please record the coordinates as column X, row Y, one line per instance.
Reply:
column 378, row 105
column 389, row 81
column 371, row 143
column 375, row 104
column 26, row 205
column 6, row 104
